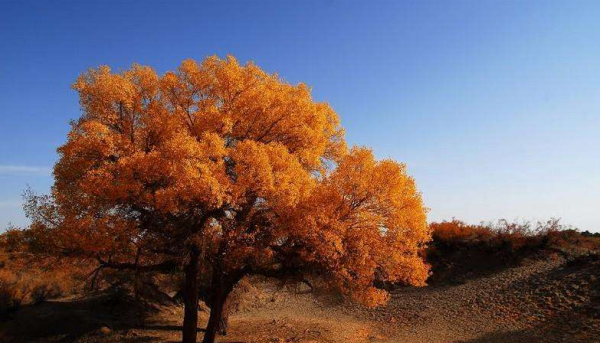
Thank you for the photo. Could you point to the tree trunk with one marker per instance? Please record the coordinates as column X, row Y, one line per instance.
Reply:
column 216, row 312
column 224, row 322
column 190, row 298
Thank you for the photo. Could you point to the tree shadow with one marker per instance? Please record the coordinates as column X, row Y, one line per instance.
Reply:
column 576, row 325
column 165, row 328
column 65, row 321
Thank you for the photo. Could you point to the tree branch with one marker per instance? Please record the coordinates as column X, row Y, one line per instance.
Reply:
column 167, row 266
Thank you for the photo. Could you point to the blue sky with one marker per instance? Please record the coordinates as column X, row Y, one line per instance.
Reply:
column 493, row 105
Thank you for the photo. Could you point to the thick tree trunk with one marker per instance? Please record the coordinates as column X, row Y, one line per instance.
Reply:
column 216, row 312
column 190, row 299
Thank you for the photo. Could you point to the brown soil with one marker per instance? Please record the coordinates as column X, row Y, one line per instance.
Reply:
column 541, row 300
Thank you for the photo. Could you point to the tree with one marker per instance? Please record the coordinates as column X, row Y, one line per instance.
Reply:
column 221, row 170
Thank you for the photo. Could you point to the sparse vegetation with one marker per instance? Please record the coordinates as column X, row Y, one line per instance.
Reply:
column 24, row 281
column 513, row 236
column 460, row 251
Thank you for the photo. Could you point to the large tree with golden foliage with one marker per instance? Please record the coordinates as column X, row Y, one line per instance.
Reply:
column 224, row 170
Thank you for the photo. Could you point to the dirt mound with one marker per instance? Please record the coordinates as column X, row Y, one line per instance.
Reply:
column 550, row 300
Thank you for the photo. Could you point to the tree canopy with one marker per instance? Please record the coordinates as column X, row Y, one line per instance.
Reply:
column 225, row 170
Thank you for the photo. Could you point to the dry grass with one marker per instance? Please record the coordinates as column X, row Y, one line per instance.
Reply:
column 461, row 251
column 513, row 236
column 25, row 280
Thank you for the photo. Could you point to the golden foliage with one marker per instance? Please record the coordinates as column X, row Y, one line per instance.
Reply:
column 448, row 231
column 512, row 235
column 365, row 218
column 239, row 163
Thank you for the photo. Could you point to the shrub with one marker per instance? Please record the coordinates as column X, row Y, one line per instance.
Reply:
column 513, row 236
column 50, row 285
column 456, row 230
column 12, row 292
column 24, row 280
column 460, row 250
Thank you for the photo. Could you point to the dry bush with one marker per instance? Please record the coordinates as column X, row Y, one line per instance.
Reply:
column 512, row 236
column 25, row 280
column 460, row 251
column 12, row 292
column 456, row 230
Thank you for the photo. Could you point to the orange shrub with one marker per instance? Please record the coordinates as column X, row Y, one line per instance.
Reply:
column 460, row 251
column 25, row 281
column 454, row 230
column 12, row 292
column 513, row 235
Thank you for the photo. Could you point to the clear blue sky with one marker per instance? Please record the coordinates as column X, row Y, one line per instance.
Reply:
column 494, row 105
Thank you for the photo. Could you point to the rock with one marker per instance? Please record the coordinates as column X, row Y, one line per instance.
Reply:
column 375, row 337
column 105, row 331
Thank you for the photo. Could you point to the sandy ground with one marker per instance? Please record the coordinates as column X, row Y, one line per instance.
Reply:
column 549, row 300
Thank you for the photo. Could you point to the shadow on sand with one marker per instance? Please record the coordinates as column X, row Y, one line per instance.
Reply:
column 69, row 321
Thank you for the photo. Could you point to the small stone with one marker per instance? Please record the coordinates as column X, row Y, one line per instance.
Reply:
column 105, row 331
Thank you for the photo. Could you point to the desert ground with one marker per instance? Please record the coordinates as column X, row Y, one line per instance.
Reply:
column 554, row 298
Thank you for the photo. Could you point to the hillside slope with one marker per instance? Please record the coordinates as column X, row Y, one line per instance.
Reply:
column 551, row 300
